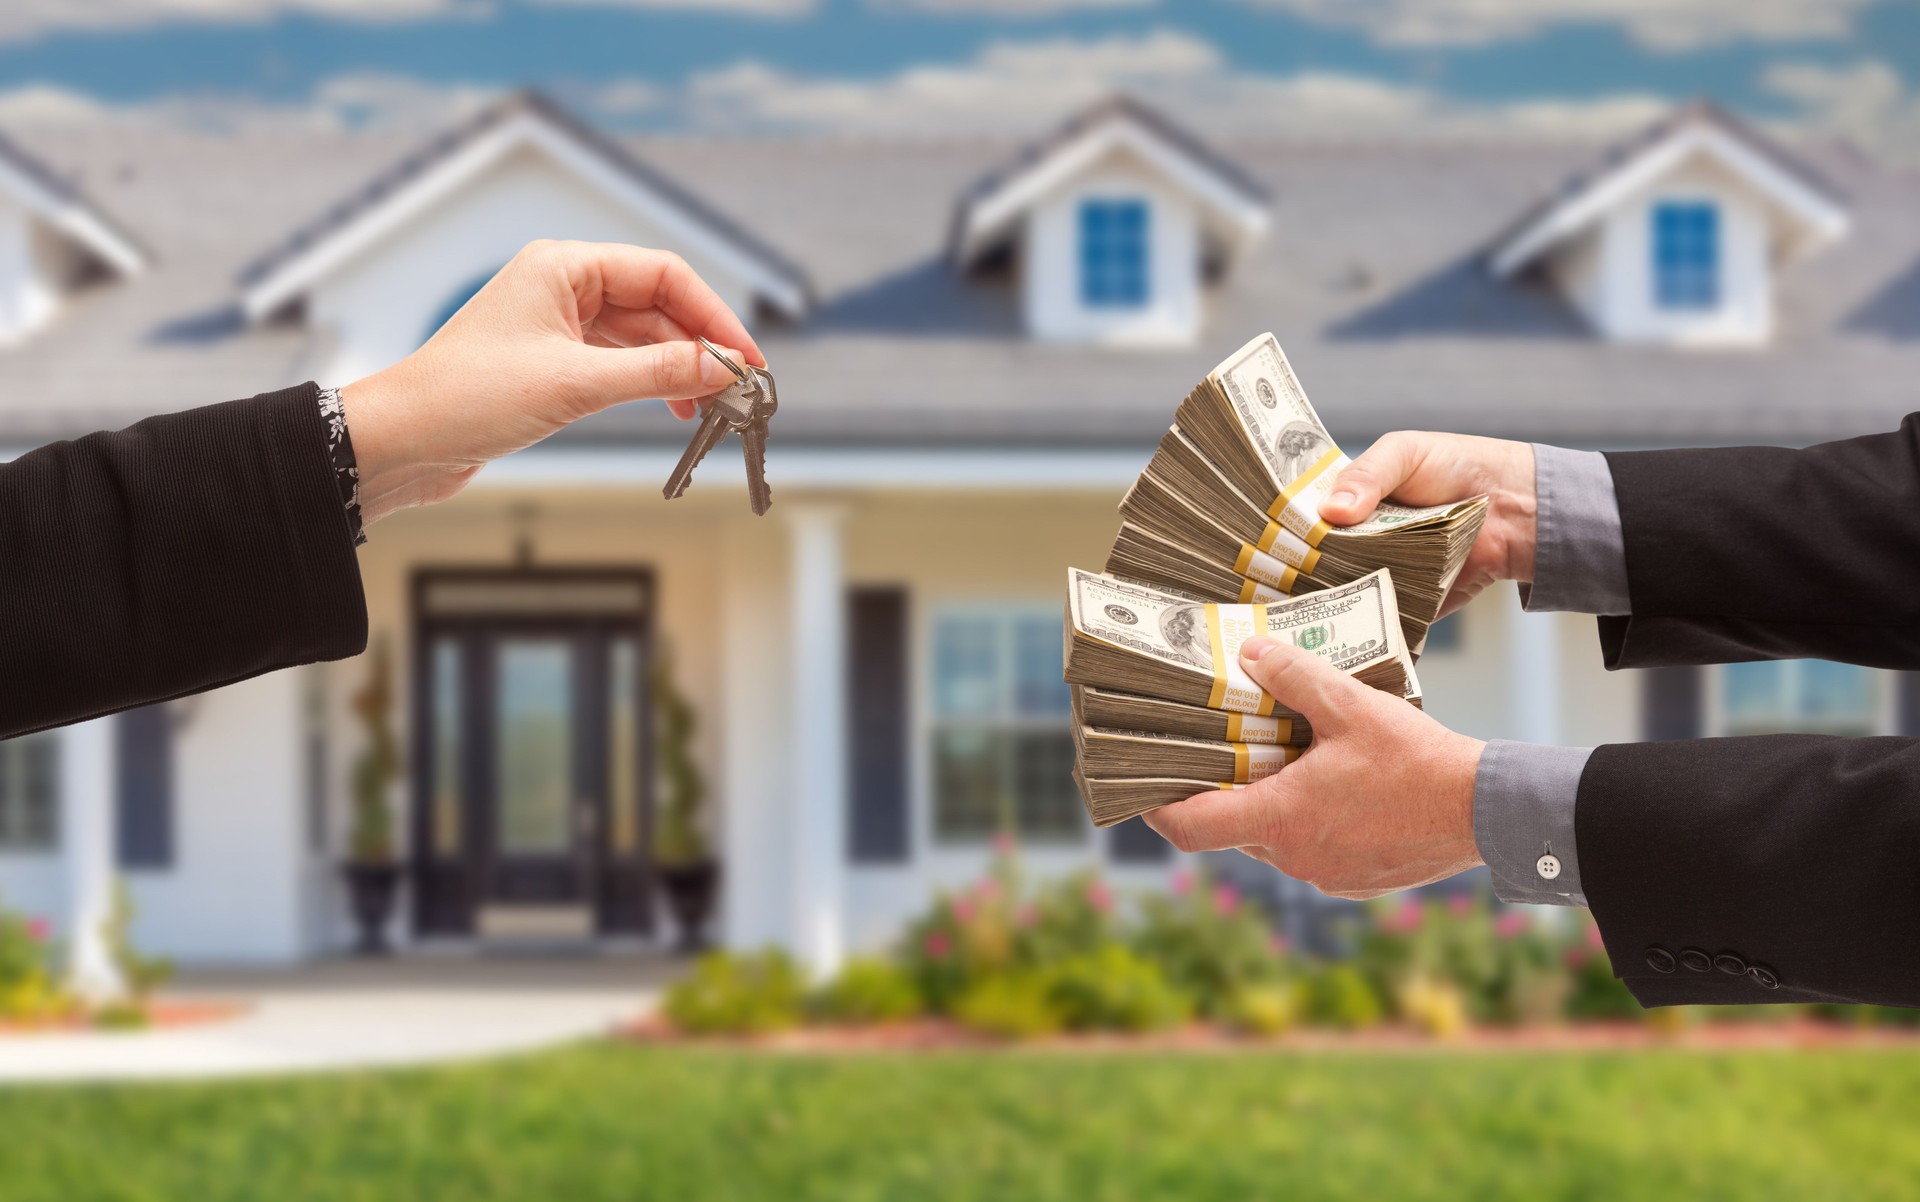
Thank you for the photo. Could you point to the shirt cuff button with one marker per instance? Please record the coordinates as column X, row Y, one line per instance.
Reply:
column 1548, row 866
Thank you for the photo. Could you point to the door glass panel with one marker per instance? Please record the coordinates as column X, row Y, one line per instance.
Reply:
column 446, row 747
column 623, row 744
column 535, row 747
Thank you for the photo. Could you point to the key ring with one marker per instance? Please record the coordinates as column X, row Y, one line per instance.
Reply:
column 738, row 372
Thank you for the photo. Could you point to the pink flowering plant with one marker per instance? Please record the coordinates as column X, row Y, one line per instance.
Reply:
column 1000, row 925
column 1210, row 942
column 28, row 985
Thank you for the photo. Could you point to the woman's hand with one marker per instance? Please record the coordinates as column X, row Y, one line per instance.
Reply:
column 564, row 330
column 1439, row 469
column 1383, row 800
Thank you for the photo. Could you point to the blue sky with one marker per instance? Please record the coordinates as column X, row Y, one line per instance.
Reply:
column 936, row 65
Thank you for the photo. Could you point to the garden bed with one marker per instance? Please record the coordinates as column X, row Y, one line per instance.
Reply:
column 935, row 1035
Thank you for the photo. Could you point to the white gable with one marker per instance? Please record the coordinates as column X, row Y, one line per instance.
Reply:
column 1599, row 242
column 1182, row 207
column 51, row 242
column 584, row 190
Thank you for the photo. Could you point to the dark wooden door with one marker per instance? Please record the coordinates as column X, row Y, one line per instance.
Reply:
column 532, row 765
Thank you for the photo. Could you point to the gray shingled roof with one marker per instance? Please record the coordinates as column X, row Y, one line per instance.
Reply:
column 1371, row 275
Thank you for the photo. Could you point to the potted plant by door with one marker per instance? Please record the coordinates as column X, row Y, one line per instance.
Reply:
column 689, row 875
column 372, row 869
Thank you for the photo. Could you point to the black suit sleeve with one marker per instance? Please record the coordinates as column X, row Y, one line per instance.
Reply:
column 186, row 552
column 1796, row 856
column 1751, row 553
column 1776, row 868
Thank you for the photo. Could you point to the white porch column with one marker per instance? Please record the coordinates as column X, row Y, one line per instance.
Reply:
column 1533, row 670
column 818, row 709
column 88, row 841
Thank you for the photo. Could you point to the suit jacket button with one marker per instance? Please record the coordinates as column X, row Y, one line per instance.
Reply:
column 1695, row 960
column 1730, row 964
column 1659, row 959
column 1764, row 977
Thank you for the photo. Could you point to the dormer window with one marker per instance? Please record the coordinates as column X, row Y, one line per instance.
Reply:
column 1113, row 253
column 1112, row 229
column 1680, row 236
column 54, row 244
column 1686, row 255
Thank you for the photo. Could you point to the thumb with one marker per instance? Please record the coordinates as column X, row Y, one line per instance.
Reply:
column 661, row 370
column 1368, row 480
column 1301, row 680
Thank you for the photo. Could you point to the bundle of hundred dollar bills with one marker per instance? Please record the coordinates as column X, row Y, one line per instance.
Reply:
column 1222, row 540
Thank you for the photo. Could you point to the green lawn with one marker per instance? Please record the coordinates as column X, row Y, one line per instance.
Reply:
column 622, row 1122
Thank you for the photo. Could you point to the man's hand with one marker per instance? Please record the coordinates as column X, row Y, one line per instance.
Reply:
column 564, row 330
column 1439, row 469
column 1383, row 800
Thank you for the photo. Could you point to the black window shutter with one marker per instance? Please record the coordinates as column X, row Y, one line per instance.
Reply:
column 1133, row 842
column 1674, row 701
column 1908, row 716
column 877, row 706
column 143, row 787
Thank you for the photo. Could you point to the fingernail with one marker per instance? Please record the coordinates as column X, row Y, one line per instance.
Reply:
column 1343, row 496
column 1255, row 647
column 714, row 372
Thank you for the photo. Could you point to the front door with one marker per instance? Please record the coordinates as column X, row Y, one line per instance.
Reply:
column 531, row 803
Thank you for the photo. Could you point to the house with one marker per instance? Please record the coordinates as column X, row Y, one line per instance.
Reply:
column 977, row 347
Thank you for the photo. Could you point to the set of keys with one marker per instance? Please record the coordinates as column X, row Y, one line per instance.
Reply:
column 744, row 406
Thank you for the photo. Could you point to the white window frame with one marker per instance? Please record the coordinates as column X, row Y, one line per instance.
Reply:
column 57, row 815
column 1885, row 702
column 927, row 723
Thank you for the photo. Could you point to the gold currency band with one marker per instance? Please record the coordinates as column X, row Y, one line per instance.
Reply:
column 1271, row 535
column 1218, row 693
column 1235, row 726
column 1300, row 485
column 1243, row 761
column 1288, row 575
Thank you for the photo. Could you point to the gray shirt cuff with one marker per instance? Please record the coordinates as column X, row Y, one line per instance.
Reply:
column 1579, row 554
column 1523, row 801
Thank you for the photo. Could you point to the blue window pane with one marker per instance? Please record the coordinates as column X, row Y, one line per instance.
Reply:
column 1686, row 255
column 1039, row 691
column 966, row 666
column 1836, row 692
column 1113, row 253
column 1752, row 691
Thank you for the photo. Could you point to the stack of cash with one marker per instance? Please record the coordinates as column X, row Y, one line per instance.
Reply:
column 1163, row 708
column 1221, row 538
column 1229, row 506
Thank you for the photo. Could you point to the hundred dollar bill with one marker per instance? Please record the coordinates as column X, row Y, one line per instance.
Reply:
column 1254, row 420
column 1136, row 639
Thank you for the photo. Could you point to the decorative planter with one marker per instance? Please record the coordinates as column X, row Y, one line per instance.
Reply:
column 371, row 890
column 691, row 891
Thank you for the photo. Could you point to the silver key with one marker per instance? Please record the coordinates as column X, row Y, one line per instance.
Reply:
column 745, row 405
column 753, row 442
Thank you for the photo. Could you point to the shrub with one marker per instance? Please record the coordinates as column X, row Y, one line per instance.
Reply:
column 1265, row 1010
column 1438, row 1008
column 29, row 990
column 1013, row 1005
column 1209, row 944
column 728, row 994
column 1339, row 995
column 1113, row 989
column 869, row 990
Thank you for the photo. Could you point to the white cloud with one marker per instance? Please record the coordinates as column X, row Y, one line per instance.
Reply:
column 1007, row 8
column 360, row 101
column 21, row 19
column 1660, row 24
column 1868, row 102
column 1026, row 87
column 28, row 18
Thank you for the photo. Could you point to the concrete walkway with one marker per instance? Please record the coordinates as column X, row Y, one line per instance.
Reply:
column 357, row 1014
